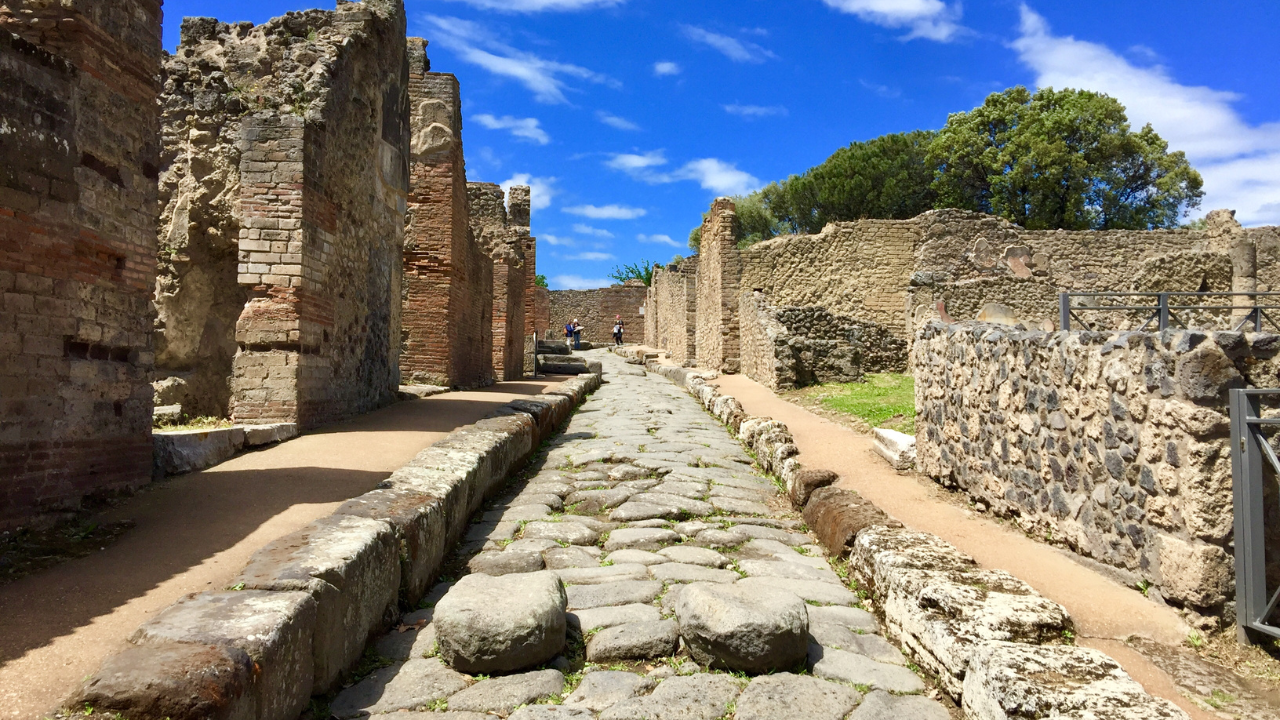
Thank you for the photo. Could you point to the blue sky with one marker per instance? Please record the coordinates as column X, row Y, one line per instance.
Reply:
column 629, row 116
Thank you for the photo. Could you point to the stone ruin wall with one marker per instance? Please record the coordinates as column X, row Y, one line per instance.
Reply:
column 1114, row 445
column 504, row 239
column 671, row 311
column 720, row 275
column 448, row 276
column 296, row 139
column 78, row 167
column 596, row 310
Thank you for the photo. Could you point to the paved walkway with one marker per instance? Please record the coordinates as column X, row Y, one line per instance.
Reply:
column 677, row 557
column 1104, row 611
column 196, row 531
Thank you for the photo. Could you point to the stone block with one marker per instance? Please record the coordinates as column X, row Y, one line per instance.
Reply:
column 562, row 365
column 802, row 484
column 1194, row 573
column 275, row 629
column 418, row 519
column 256, row 435
column 350, row 566
column 173, row 680
column 899, row 449
column 837, row 515
column 501, row 624
column 751, row 629
column 184, row 451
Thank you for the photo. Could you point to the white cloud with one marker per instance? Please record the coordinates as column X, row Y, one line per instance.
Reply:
column 577, row 282
column 713, row 174
column 532, row 6
column 541, row 189
column 614, row 121
column 929, row 19
column 557, row 240
column 1240, row 162
column 755, row 111
column 476, row 45
column 883, row 91
column 588, row 230
column 659, row 239
column 666, row 67
column 606, row 212
column 591, row 256
column 524, row 128
column 732, row 48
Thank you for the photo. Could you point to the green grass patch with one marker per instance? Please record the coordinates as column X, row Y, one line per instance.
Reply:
column 885, row 400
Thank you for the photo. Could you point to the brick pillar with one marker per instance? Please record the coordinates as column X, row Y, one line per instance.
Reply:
column 79, row 157
column 719, row 274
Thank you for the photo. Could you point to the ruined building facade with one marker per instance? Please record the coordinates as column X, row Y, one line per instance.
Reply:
column 596, row 310
column 503, row 232
column 286, row 150
column 79, row 153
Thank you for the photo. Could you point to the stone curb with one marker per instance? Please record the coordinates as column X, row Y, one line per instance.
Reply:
column 183, row 451
column 984, row 634
column 307, row 604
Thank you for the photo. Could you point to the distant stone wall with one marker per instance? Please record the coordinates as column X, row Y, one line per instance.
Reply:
column 79, row 152
column 671, row 311
column 720, row 276
column 448, row 277
column 1114, row 445
column 595, row 310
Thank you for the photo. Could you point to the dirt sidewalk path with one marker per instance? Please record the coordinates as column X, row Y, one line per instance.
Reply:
column 1104, row 611
column 195, row 532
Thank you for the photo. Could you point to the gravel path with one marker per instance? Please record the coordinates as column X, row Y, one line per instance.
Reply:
column 690, row 590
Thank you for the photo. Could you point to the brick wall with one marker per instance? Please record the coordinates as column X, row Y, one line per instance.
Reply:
column 597, row 309
column 448, row 278
column 671, row 312
column 542, row 312
column 78, row 167
column 720, row 272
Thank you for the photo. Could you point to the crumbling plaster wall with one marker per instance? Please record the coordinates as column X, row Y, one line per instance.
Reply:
column 597, row 309
column 504, row 239
column 315, row 105
column 79, row 151
column 1112, row 444
column 671, row 311
column 448, row 276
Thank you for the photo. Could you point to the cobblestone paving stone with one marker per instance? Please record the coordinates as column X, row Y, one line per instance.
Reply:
column 640, row 497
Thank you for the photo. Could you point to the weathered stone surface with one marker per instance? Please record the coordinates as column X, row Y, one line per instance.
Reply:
column 743, row 628
column 585, row 597
column 1014, row 680
column 184, row 451
column 499, row 562
column 716, row 538
column 402, row 686
column 501, row 695
column 849, row 667
column 898, row 449
column 175, row 680
column 595, row 501
column 493, row 625
column 695, row 697
column 823, row 593
column 560, row 558
column 549, row 712
column 778, row 569
column 880, row 705
column 692, row 555
column 849, row 617
column 603, row 689
column 770, row 697
column 639, row 539
column 603, row 574
column 604, row 617
column 682, row 573
column 634, row 641
column 803, row 484
column 1194, row 573
column 639, row 557
column 741, row 507
column 837, row 515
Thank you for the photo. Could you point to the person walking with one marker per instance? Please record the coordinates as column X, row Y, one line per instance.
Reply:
column 617, row 330
column 568, row 333
column 577, row 335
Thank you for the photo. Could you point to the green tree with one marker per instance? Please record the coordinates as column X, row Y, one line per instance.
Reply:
column 695, row 238
column 1061, row 159
column 540, row 280
column 642, row 270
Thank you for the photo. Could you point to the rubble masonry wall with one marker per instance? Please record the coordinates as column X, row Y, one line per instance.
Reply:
column 78, row 166
column 671, row 310
column 596, row 310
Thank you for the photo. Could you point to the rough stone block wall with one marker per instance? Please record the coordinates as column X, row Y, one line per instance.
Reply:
column 671, row 312
column 596, row 310
column 448, row 277
column 79, row 152
column 720, row 272
column 504, row 236
column 1112, row 444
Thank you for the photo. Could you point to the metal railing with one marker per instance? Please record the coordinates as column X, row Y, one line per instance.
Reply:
column 1164, row 310
column 1251, row 456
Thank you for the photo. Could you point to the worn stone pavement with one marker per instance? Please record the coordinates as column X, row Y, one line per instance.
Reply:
column 643, row 498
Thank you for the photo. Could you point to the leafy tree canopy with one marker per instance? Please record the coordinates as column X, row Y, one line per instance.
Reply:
column 642, row 270
column 540, row 280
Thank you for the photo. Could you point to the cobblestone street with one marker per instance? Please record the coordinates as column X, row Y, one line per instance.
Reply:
column 688, row 587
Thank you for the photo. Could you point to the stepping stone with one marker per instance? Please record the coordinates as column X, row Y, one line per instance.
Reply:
column 639, row 539
column 852, row 618
column 692, row 555
column 583, row 597
column 822, row 593
column 634, row 641
column 591, row 502
column 696, row 697
column 574, row 556
column 608, row 573
column 570, row 532
column 784, row 695
column 502, row 562
column 681, row 573
column 402, row 686
column 545, row 712
column 734, row 505
column 606, row 617
column 605, row 688
column 641, row 557
column 752, row 629
column 501, row 624
column 551, row 500
column 501, row 695
column 715, row 538
column 848, row 667
column 778, row 569
column 880, row 705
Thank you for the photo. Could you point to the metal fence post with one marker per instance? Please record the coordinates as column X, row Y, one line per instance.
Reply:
column 1064, row 311
column 1164, row 311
